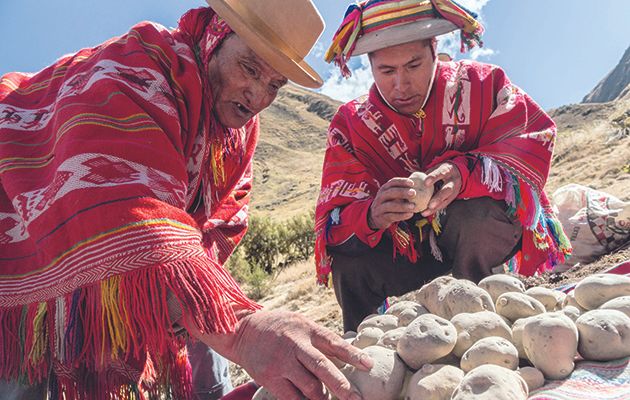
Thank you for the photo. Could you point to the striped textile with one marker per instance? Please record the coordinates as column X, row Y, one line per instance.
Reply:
column 118, row 191
column 373, row 15
column 590, row 381
column 498, row 137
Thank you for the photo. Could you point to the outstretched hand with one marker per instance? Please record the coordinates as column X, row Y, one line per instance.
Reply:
column 451, row 179
column 290, row 355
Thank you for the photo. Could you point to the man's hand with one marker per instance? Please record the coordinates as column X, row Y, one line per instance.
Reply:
column 392, row 203
column 290, row 355
column 451, row 186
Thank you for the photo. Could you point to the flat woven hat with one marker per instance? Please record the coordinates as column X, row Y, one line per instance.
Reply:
column 281, row 32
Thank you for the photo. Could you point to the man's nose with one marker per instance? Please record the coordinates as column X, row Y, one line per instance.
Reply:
column 401, row 81
column 256, row 96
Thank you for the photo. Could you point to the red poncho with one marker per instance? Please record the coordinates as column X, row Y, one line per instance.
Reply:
column 500, row 140
column 102, row 155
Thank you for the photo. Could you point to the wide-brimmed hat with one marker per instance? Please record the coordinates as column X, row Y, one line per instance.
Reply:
column 280, row 32
column 376, row 24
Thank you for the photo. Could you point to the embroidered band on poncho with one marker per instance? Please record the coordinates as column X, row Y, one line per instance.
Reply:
column 374, row 15
column 101, row 156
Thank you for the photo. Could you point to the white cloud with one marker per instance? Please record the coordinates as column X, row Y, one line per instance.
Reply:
column 318, row 50
column 359, row 83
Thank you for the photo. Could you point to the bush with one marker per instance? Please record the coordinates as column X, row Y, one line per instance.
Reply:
column 267, row 248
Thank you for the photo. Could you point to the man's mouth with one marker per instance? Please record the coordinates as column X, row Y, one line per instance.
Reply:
column 242, row 109
column 406, row 101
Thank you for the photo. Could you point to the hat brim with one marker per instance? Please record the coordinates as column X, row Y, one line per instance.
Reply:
column 297, row 71
column 400, row 34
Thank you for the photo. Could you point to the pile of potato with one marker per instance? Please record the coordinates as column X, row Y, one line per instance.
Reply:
column 494, row 340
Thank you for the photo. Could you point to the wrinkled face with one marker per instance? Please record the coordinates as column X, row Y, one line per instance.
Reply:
column 242, row 83
column 403, row 74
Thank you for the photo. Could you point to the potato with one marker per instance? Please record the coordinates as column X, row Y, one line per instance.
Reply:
column 428, row 295
column 423, row 193
column 385, row 322
column 263, row 394
column 551, row 299
column 604, row 335
column 491, row 382
column 518, row 305
column 571, row 312
column 367, row 337
column 533, row 377
column 517, row 337
column 595, row 290
column 349, row 335
column 570, row 301
column 463, row 296
column 384, row 381
column 406, row 311
column 550, row 341
column 498, row 284
column 620, row 304
column 433, row 382
column 390, row 339
column 490, row 350
column 426, row 339
column 474, row 326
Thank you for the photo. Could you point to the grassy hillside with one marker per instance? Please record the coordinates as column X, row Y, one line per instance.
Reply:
column 593, row 149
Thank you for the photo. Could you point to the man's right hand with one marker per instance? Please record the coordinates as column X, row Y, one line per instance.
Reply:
column 392, row 203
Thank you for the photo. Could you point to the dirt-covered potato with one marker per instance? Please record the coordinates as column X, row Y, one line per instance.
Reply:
column 550, row 341
column 491, row 382
column 532, row 376
column 595, row 290
column 433, row 382
column 498, row 284
column 474, row 326
column 385, row 322
column 490, row 350
column 620, row 304
column 604, row 335
column 551, row 299
column 367, row 337
column 390, row 338
column 423, row 193
column 384, row 381
column 514, row 305
column 406, row 311
column 426, row 339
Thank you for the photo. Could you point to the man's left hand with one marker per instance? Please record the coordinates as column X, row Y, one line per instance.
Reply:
column 451, row 179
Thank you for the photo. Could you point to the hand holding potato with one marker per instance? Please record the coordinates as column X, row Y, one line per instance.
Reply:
column 451, row 186
column 392, row 203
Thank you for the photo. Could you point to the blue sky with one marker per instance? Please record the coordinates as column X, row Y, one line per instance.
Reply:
column 557, row 50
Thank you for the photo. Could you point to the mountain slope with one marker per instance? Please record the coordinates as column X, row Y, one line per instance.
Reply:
column 593, row 146
column 288, row 160
column 613, row 84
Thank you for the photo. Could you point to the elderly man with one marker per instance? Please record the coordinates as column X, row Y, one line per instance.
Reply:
column 484, row 144
column 125, row 173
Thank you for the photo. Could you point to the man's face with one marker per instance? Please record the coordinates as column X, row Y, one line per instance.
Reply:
column 242, row 83
column 403, row 74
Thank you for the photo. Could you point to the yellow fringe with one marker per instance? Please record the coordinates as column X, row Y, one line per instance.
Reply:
column 112, row 317
column 39, row 335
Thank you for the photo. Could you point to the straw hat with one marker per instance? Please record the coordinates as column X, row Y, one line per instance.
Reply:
column 281, row 32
